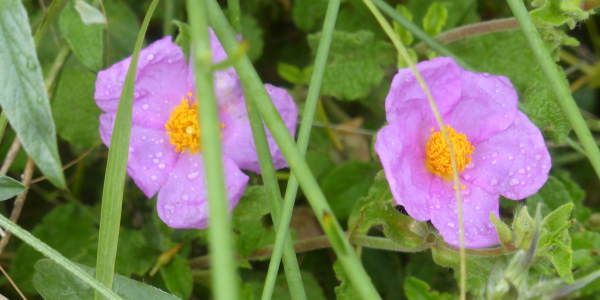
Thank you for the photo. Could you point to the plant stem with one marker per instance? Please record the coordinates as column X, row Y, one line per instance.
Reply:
column 114, row 178
column 308, row 116
column 253, row 86
column 440, row 122
column 235, row 14
column 55, row 8
column 561, row 90
column 47, row 251
column 225, row 283
column 167, row 24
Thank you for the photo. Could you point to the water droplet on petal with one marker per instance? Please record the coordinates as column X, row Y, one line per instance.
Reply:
column 513, row 182
column 450, row 224
column 145, row 106
column 153, row 177
column 192, row 175
column 150, row 57
column 521, row 171
column 494, row 181
column 161, row 166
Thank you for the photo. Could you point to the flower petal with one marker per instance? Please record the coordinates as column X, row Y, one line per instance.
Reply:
column 443, row 77
column 487, row 106
column 238, row 143
column 477, row 206
column 151, row 157
column 160, row 83
column 514, row 163
column 182, row 201
column 401, row 150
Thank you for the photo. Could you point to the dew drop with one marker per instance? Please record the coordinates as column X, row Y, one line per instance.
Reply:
column 153, row 177
column 150, row 57
column 513, row 182
column 145, row 106
column 161, row 166
column 158, row 154
column 494, row 181
column 192, row 175
column 521, row 171
column 510, row 157
column 156, row 160
column 450, row 224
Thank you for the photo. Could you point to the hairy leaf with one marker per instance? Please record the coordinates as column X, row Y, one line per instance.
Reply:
column 355, row 64
column 416, row 289
column 250, row 221
column 86, row 40
column 177, row 276
column 308, row 14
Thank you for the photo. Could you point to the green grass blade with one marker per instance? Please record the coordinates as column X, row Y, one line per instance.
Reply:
column 254, row 88
column 52, row 254
column 290, row 262
column 561, row 90
column 224, row 277
column 114, row 178
column 308, row 116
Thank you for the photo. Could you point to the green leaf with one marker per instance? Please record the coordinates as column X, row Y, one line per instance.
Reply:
column 377, row 208
column 507, row 53
column 183, row 37
column 344, row 291
column 555, row 241
column 417, row 289
column 75, row 93
column 435, row 18
column 253, row 34
column 460, row 12
column 308, row 14
column 479, row 267
column 54, row 283
column 22, row 93
column 177, row 276
column 250, row 221
column 523, row 227
column 69, row 229
column 558, row 190
column 355, row 64
column 345, row 184
column 558, row 12
column 9, row 187
column 88, row 13
column 290, row 73
column 134, row 254
column 85, row 40
column 405, row 36
column 504, row 232
column 253, row 284
column 122, row 29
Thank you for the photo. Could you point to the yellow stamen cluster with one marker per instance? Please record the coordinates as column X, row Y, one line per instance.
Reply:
column 437, row 152
column 183, row 128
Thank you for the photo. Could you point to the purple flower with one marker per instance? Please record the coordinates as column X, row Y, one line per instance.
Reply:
column 164, row 156
column 499, row 151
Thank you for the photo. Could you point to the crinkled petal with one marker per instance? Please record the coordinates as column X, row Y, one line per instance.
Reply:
column 151, row 157
column 487, row 106
column 443, row 77
column 238, row 143
column 161, row 83
column 401, row 150
column 478, row 204
column 514, row 163
column 183, row 202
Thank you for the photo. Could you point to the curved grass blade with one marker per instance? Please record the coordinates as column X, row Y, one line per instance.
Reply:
column 23, row 96
column 114, row 178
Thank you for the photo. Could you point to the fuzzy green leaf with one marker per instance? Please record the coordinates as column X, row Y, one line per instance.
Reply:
column 405, row 36
column 504, row 232
column 9, row 187
column 88, row 13
column 250, row 221
column 345, row 184
column 52, row 282
column 435, row 18
column 22, row 93
column 290, row 73
column 177, row 276
column 85, row 40
column 558, row 12
column 417, row 289
column 507, row 53
column 523, row 228
column 355, row 64
column 75, row 93
column 555, row 241
column 308, row 14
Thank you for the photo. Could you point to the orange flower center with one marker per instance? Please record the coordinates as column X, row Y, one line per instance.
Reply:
column 437, row 152
column 183, row 128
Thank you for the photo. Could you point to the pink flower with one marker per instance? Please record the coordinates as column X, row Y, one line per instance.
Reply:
column 499, row 151
column 164, row 156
